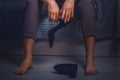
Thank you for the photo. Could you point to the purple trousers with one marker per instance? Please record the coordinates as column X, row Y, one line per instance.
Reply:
column 87, row 14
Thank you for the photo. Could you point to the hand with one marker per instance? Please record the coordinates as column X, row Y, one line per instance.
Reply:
column 67, row 10
column 53, row 10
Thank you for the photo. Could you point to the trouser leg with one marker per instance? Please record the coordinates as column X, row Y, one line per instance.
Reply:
column 31, row 18
column 87, row 13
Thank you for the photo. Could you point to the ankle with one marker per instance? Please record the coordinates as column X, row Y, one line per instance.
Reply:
column 90, row 62
column 27, row 58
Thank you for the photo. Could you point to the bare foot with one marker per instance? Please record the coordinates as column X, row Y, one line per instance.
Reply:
column 23, row 67
column 91, row 69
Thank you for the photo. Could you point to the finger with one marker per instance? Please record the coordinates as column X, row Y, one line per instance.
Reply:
column 54, row 16
column 63, row 14
column 72, row 14
column 69, row 15
column 57, row 15
column 50, row 14
column 66, row 16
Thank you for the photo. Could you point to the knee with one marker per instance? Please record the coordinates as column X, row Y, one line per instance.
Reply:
column 32, row 2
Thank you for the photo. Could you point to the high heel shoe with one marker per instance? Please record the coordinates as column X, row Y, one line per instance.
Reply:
column 51, row 35
column 51, row 32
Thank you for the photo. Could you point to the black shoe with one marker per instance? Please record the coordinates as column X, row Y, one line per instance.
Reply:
column 67, row 69
column 51, row 35
column 51, row 32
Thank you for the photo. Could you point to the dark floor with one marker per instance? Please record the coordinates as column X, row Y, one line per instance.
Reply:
column 108, row 65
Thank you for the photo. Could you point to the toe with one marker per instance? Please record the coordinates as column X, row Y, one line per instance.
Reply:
column 18, row 71
column 91, row 72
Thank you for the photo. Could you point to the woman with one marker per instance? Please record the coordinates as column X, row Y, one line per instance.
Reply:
column 87, row 13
